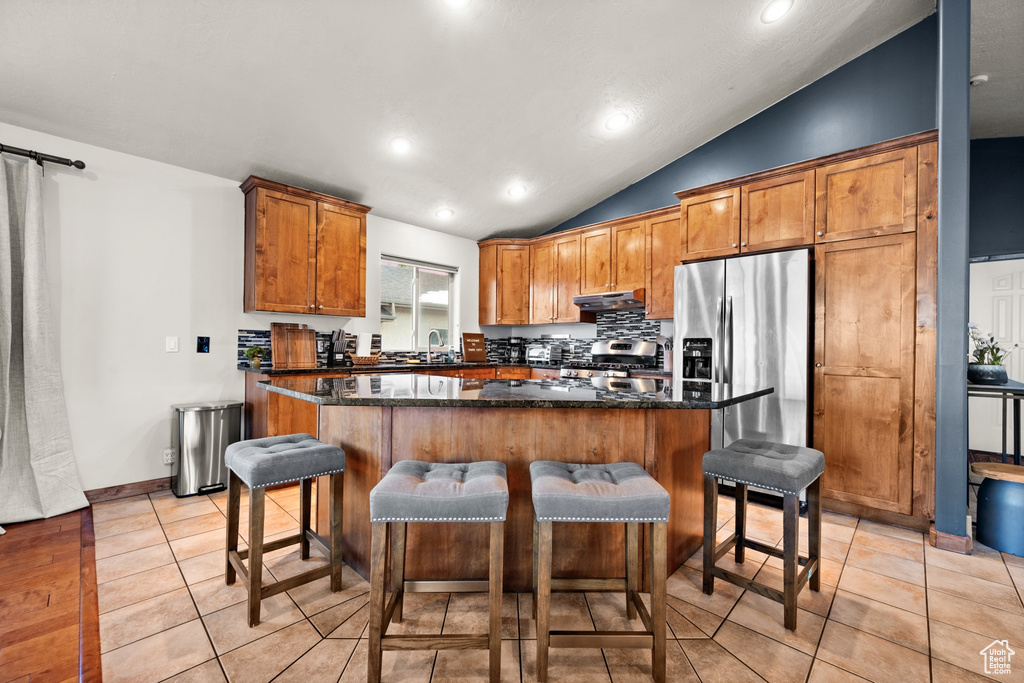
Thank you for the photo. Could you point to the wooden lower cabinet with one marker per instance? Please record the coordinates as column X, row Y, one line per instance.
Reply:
column 545, row 373
column 512, row 373
column 271, row 414
column 865, row 308
column 667, row 443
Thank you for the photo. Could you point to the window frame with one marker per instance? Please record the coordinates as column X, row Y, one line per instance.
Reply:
column 415, row 304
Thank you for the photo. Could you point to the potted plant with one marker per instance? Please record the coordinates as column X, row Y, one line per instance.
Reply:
column 986, row 361
column 254, row 354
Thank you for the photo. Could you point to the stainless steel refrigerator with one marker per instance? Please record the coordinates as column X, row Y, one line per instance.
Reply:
column 746, row 321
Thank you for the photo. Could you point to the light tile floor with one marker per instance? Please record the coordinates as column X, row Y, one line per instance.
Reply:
column 891, row 608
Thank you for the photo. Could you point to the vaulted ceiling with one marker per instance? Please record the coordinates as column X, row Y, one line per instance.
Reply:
column 495, row 94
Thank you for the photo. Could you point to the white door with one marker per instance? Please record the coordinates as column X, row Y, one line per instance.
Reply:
column 997, row 307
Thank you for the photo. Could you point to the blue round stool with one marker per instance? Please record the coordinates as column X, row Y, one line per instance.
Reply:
column 1001, row 507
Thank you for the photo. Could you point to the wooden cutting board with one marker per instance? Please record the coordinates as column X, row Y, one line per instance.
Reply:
column 292, row 346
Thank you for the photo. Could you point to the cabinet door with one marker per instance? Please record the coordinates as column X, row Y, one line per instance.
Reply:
column 545, row 373
column 340, row 261
column 488, row 302
column 567, row 280
column 865, row 305
column 477, row 373
column 285, row 252
column 663, row 256
column 513, row 284
column 629, row 256
column 777, row 213
column 876, row 195
column 542, row 282
column 595, row 261
column 512, row 373
column 710, row 224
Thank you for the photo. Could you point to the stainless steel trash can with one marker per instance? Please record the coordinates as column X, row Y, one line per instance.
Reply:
column 200, row 433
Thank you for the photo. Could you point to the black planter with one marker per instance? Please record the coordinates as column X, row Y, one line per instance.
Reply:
column 986, row 374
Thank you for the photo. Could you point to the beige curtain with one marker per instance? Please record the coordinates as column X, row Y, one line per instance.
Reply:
column 38, row 476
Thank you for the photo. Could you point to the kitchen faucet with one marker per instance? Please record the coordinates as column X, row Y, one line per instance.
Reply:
column 430, row 348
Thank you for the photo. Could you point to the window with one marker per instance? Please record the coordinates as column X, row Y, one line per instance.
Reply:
column 415, row 298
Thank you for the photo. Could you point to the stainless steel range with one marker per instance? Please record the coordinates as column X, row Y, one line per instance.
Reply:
column 614, row 358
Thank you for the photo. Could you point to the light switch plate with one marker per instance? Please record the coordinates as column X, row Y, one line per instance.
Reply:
column 171, row 345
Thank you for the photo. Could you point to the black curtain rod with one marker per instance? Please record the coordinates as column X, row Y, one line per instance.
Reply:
column 40, row 157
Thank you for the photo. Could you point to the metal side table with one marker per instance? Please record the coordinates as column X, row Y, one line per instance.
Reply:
column 1011, row 391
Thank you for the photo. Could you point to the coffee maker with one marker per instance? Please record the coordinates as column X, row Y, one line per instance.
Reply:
column 516, row 349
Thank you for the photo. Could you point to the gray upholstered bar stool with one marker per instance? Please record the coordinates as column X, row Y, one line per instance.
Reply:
column 616, row 492
column 268, row 462
column 414, row 491
column 777, row 467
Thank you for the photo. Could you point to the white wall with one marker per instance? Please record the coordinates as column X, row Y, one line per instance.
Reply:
column 139, row 251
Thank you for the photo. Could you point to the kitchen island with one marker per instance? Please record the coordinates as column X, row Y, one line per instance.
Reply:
column 381, row 419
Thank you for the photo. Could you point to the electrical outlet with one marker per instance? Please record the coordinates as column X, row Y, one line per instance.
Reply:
column 168, row 456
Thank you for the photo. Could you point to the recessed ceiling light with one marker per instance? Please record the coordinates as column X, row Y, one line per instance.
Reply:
column 616, row 121
column 400, row 145
column 444, row 214
column 517, row 191
column 979, row 79
column 776, row 10
column 457, row 4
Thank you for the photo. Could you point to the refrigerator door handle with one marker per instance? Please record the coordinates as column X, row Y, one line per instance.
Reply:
column 727, row 362
column 716, row 352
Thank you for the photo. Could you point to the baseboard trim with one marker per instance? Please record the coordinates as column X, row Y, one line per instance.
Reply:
column 881, row 516
column 128, row 490
column 951, row 542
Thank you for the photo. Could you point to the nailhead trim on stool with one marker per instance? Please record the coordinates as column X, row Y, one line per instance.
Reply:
column 281, row 460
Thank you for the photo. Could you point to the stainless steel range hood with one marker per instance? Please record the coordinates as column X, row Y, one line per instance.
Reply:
column 610, row 301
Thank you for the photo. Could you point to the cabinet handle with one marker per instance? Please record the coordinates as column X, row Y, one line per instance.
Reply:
column 817, row 365
column 321, row 307
column 311, row 305
column 820, row 233
column 743, row 244
column 733, row 245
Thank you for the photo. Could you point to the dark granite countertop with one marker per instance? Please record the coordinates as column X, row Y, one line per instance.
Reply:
column 388, row 367
column 434, row 391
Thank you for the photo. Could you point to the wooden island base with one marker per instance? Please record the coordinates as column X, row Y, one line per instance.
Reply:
column 669, row 444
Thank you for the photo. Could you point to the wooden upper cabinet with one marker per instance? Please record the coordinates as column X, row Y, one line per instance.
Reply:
column 866, row 197
column 283, row 230
column 629, row 256
column 865, row 319
column 567, row 281
column 777, row 213
column 663, row 256
column 596, row 261
column 340, row 261
column 542, row 282
column 488, row 284
column 710, row 224
column 504, row 283
column 304, row 252
column 513, row 284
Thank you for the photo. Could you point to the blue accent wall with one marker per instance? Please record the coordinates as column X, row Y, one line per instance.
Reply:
column 886, row 93
column 997, row 186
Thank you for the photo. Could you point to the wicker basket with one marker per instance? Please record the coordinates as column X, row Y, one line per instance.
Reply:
column 365, row 360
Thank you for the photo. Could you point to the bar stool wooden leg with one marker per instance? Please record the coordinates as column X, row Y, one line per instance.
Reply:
column 814, row 532
column 543, row 599
column 710, row 530
column 535, row 535
column 257, row 505
column 234, row 504
column 398, row 530
column 659, row 579
column 741, row 520
column 378, row 556
column 336, row 507
column 494, row 587
column 632, row 567
column 790, row 550
column 305, row 507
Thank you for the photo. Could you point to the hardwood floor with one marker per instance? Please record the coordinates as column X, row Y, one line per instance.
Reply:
column 49, row 622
